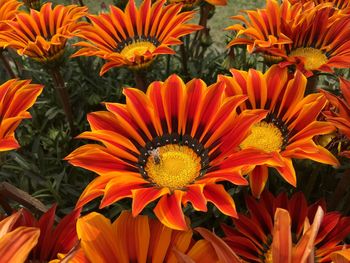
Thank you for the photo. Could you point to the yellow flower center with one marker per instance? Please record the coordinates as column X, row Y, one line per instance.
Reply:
column 314, row 58
column 137, row 49
column 173, row 166
column 264, row 136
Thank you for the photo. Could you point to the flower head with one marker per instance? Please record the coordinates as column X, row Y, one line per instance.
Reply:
column 255, row 236
column 174, row 143
column 290, row 125
column 42, row 35
column 135, row 37
column 313, row 38
column 16, row 97
column 339, row 115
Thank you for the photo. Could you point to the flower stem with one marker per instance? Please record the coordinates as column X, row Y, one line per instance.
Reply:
column 184, row 58
column 140, row 80
column 7, row 65
column 64, row 96
column 9, row 192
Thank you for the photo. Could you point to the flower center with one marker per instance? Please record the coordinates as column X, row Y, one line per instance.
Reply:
column 138, row 48
column 314, row 58
column 173, row 166
column 264, row 136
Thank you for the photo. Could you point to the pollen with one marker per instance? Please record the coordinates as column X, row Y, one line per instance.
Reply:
column 314, row 58
column 173, row 166
column 264, row 136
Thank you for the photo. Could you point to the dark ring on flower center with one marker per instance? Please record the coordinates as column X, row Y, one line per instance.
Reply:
column 279, row 123
column 174, row 138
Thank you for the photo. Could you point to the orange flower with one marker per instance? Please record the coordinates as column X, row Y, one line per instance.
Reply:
column 16, row 244
column 340, row 115
column 312, row 38
column 16, row 97
column 174, row 143
column 256, row 237
column 42, row 35
column 135, row 37
column 291, row 124
column 141, row 239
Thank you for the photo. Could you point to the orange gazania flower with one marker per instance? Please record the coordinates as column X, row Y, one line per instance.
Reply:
column 16, row 97
column 174, row 143
column 253, row 236
column 16, row 243
column 340, row 114
column 135, row 37
column 290, row 125
column 141, row 239
column 42, row 35
column 53, row 239
column 313, row 39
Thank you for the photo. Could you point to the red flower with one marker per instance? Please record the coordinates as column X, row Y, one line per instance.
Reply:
column 251, row 237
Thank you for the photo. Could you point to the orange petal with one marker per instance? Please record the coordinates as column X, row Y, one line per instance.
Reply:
column 287, row 171
column 7, row 223
column 97, row 240
column 306, row 245
column 121, row 186
column 217, row 194
column 194, row 195
column 282, row 238
column 16, row 245
column 341, row 256
column 169, row 211
column 257, row 179
column 134, row 233
column 142, row 197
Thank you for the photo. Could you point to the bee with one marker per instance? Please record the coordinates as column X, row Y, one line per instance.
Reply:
column 156, row 155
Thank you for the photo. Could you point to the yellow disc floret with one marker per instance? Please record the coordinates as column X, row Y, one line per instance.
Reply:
column 264, row 136
column 314, row 58
column 173, row 166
